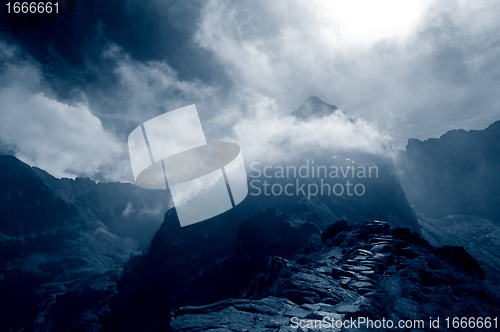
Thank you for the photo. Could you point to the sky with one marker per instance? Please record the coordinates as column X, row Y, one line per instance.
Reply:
column 72, row 89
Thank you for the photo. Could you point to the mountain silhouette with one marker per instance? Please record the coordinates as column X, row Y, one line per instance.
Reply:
column 314, row 107
column 454, row 174
column 76, row 255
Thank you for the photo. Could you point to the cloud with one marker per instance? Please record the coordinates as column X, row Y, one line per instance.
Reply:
column 147, row 89
column 264, row 134
column 413, row 70
column 66, row 140
column 86, row 135
column 287, row 46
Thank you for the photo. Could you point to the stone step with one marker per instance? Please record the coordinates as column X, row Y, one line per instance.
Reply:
column 383, row 238
column 363, row 290
column 368, row 263
column 381, row 248
column 359, row 268
column 360, row 277
column 380, row 242
column 361, row 284
column 365, row 252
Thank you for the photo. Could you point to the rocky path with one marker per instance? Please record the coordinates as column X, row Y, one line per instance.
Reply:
column 367, row 270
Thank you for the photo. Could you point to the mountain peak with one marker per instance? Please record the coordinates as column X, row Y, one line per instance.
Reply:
column 313, row 107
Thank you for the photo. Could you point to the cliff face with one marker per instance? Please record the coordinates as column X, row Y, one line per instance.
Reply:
column 454, row 174
column 363, row 271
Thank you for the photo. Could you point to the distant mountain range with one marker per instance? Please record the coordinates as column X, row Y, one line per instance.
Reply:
column 76, row 255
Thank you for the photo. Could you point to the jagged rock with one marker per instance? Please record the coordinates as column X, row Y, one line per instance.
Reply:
column 365, row 252
column 359, row 268
column 363, row 290
column 407, row 253
column 369, row 263
column 345, row 281
column 381, row 247
column 337, row 272
column 347, row 308
column 360, row 277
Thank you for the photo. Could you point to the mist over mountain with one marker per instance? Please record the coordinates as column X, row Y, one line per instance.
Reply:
column 71, row 249
column 316, row 94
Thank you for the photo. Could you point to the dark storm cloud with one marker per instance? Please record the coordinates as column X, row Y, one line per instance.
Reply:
column 142, row 28
column 70, row 48
column 116, row 63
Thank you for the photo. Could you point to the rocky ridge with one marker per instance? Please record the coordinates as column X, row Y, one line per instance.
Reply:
column 366, row 270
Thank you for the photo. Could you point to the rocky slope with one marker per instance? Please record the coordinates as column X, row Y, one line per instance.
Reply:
column 479, row 236
column 367, row 270
column 59, row 236
column 202, row 263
